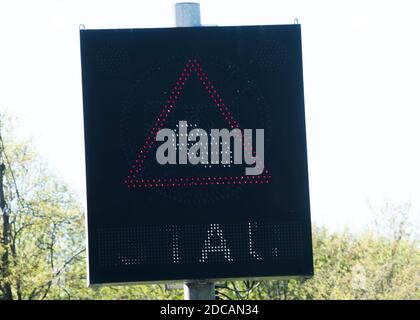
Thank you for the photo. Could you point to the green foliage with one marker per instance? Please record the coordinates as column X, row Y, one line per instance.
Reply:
column 45, row 224
column 46, row 252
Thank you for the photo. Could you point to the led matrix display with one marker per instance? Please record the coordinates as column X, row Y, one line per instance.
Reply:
column 228, row 197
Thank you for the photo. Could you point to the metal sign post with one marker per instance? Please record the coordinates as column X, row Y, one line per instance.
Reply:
column 199, row 290
column 187, row 14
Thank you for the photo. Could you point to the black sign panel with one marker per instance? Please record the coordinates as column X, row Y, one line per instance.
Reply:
column 195, row 153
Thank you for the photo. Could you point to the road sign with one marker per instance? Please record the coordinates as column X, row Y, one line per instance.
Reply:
column 196, row 159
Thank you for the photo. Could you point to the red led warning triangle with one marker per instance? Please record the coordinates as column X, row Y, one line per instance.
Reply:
column 135, row 179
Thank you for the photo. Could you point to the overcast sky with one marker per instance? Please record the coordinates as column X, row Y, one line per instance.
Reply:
column 361, row 74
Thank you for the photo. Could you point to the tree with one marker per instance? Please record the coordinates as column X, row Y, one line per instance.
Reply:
column 42, row 224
